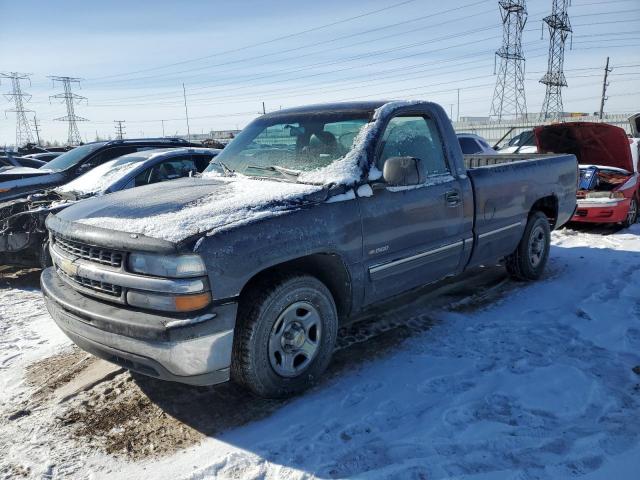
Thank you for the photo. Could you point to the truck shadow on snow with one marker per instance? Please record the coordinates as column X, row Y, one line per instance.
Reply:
column 216, row 409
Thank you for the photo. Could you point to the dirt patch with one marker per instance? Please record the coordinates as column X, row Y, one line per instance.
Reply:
column 48, row 374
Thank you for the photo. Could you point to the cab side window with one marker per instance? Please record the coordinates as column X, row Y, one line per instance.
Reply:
column 168, row 170
column 414, row 136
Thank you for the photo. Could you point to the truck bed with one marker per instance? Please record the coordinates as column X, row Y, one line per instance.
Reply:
column 506, row 185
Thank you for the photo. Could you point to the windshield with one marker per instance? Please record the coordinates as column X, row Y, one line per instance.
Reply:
column 286, row 145
column 72, row 157
column 99, row 179
column 524, row 139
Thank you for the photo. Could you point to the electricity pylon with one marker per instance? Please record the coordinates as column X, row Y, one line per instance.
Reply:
column 18, row 98
column 70, row 99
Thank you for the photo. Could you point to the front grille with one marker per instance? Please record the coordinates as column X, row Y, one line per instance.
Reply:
column 104, row 256
column 100, row 287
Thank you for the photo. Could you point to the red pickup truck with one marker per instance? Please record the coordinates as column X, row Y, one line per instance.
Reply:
column 610, row 184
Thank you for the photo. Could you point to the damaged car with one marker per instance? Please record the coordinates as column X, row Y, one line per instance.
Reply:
column 23, row 235
column 608, row 189
column 19, row 182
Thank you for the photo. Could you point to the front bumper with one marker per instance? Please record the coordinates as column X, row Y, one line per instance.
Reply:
column 611, row 211
column 195, row 350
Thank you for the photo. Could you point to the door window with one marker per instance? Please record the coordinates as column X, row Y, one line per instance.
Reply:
column 169, row 170
column 416, row 137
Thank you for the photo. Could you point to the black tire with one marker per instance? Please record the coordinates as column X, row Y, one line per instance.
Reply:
column 530, row 258
column 264, row 313
column 632, row 216
column 45, row 256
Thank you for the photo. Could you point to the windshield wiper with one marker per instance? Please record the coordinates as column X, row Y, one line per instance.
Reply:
column 285, row 172
column 225, row 168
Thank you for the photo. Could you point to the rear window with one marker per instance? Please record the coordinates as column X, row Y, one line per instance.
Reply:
column 469, row 145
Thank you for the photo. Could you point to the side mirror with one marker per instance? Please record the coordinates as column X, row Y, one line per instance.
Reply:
column 404, row 171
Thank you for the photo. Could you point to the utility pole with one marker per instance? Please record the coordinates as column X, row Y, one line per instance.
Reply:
column 70, row 99
column 162, row 128
column 458, row 112
column 451, row 111
column 559, row 30
column 119, row 129
column 509, row 97
column 36, row 127
column 186, row 111
column 264, row 110
column 607, row 71
column 18, row 98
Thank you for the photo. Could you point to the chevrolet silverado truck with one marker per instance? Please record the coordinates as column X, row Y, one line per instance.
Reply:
column 307, row 218
column 23, row 235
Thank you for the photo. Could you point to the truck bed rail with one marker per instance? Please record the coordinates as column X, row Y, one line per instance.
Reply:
column 476, row 161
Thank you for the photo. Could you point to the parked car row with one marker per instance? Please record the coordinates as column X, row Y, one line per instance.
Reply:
column 198, row 266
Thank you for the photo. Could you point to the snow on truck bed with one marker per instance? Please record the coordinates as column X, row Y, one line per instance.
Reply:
column 536, row 382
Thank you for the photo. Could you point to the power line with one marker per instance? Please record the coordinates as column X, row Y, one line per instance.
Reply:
column 70, row 99
column 18, row 98
column 266, row 42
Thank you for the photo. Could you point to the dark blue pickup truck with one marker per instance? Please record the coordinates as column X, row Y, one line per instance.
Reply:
column 308, row 217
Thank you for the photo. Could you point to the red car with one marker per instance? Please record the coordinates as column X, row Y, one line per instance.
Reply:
column 609, row 184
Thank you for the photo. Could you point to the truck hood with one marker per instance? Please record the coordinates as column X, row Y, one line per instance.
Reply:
column 591, row 143
column 179, row 209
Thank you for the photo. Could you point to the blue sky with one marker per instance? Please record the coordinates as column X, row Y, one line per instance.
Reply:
column 230, row 59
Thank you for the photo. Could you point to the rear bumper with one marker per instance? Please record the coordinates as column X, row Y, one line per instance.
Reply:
column 613, row 211
column 195, row 351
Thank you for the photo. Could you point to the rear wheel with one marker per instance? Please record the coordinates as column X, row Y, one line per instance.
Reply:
column 632, row 215
column 286, row 333
column 530, row 258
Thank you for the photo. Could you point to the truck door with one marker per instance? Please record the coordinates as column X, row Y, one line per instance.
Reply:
column 414, row 235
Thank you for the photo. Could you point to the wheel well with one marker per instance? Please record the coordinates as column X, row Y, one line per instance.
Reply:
column 548, row 206
column 326, row 267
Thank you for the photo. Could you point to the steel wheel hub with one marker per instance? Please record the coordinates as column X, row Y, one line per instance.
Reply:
column 295, row 339
column 537, row 246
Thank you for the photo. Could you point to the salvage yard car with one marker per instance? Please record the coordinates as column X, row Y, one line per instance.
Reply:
column 23, row 235
column 609, row 189
column 20, row 182
column 247, row 272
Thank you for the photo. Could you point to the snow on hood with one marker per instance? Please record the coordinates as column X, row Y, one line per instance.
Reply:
column 178, row 209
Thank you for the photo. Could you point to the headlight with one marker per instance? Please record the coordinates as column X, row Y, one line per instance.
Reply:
column 617, row 195
column 168, row 303
column 171, row 266
column 598, row 195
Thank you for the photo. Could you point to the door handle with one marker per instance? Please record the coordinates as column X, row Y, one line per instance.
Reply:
column 453, row 198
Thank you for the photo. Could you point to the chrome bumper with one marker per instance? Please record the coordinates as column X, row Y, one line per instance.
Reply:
column 195, row 351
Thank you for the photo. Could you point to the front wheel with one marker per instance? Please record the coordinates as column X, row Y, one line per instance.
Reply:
column 632, row 215
column 286, row 333
column 528, row 261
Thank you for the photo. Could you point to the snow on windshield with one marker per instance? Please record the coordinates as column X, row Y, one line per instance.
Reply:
column 99, row 179
column 348, row 169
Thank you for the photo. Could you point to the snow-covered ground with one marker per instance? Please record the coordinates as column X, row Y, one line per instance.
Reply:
column 529, row 381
